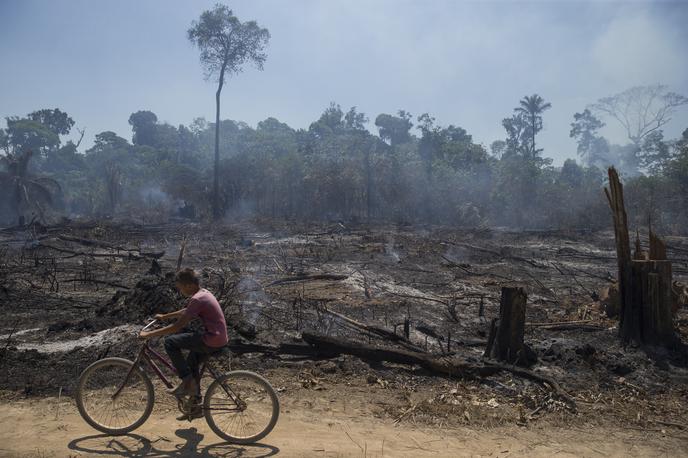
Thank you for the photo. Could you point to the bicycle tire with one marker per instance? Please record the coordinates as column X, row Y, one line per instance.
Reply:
column 227, row 378
column 126, row 365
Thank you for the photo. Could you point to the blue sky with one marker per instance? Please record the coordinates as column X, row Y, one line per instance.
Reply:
column 466, row 63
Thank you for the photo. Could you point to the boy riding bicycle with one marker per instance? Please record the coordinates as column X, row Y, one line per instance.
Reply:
column 202, row 304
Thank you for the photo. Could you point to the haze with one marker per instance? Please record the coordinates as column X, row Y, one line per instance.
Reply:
column 465, row 63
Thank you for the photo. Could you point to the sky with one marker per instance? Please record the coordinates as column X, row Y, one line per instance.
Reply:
column 465, row 63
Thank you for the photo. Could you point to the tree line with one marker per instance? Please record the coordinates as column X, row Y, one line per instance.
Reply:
column 412, row 170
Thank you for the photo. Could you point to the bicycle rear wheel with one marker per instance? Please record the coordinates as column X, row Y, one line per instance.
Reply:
column 106, row 410
column 241, row 407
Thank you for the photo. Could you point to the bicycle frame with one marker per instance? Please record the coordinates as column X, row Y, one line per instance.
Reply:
column 147, row 355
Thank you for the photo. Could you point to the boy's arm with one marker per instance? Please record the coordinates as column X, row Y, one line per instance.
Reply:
column 169, row 316
column 178, row 325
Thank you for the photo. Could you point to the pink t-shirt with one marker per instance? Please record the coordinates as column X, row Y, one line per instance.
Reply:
column 204, row 306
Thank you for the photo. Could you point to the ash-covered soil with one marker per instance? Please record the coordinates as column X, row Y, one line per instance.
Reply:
column 68, row 301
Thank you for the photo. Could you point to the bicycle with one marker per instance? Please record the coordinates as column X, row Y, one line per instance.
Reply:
column 116, row 396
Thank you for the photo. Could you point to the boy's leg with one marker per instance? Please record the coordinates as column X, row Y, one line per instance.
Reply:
column 196, row 356
column 174, row 344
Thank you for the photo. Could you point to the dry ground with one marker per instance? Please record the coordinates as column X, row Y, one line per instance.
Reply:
column 67, row 304
column 45, row 428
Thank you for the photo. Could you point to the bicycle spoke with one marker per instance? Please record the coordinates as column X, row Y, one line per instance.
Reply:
column 98, row 386
column 246, row 416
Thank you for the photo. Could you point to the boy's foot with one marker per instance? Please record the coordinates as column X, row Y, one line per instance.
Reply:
column 188, row 386
column 197, row 412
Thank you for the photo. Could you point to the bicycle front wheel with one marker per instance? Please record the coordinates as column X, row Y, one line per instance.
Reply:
column 114, row 397
column 241, row 407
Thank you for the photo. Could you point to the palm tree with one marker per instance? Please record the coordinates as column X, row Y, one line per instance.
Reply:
column 25, row 189
column 531, row 108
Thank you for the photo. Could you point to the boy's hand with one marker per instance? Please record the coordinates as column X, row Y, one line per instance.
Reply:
column 159, row 316
column 144, row 334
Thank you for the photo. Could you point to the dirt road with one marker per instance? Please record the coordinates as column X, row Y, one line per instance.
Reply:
column 45, row 428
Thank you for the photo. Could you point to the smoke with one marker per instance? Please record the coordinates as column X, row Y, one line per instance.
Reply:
column 252, row 298
column 635, row 48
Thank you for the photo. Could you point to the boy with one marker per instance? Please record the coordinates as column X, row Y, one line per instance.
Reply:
column 201, row 304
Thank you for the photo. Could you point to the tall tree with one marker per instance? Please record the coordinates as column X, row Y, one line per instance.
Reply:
column 226, row 44
column 641, row 110
column 430, row 142
column 143, row 123
column 531, row 108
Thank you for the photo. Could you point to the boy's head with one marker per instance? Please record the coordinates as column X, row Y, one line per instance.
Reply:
column 187, row 282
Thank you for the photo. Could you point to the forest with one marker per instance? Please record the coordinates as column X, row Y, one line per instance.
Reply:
column 411, row 170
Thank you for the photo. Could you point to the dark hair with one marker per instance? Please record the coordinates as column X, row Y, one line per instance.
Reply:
column 187, row 276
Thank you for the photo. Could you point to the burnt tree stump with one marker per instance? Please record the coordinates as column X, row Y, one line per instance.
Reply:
column 651, row 294
column 505, row 342
column 644, row 281
column 628, row 319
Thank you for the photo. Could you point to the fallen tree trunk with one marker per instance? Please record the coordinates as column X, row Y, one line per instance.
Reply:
column 239, row 347
column 109, row 246
column 307, row 278
column 445, row 365
column 379, row 332
column 126, row 254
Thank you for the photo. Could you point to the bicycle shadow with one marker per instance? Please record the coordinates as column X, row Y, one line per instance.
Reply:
column 134, row 445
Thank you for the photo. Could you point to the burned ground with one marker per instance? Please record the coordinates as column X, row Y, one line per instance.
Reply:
column 75, row 292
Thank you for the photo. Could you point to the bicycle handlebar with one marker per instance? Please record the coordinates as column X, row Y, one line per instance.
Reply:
column 145, row 328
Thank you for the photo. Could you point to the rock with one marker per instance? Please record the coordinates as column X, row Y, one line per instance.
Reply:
column 329, row 367
column 554, row 352
column 59, row 326
column 621, row 368
column 345, row 364
column 585, row 351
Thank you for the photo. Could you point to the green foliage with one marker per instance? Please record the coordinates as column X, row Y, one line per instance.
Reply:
column 592, row 148
column 143, row 124
column 530, row 109
column 394, row 129
column 654, row 153
column 56, row 120
column 24, row 135
column 338, row 170
column 226, row 43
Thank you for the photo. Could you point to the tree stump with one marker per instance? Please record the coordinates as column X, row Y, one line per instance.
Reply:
column 628, row 318
column 644, row 281
column 652, row 301
column 505, row 342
